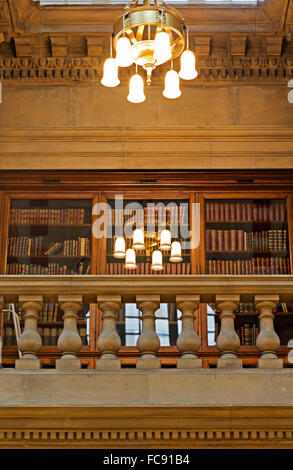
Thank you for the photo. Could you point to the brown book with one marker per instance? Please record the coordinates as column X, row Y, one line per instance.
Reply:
column 220, row 240
column 232, row 212
column 282, row 212
column 222, row 211
column 238, row 211
column 233, row 240
column 227, row 217
column 243, row 211
column 254, row 212
column 249, row 211
column 240, row 240
column 213, row 239
column 216, row 211
column 208, row 239
column 218, row 266
column 226, row 240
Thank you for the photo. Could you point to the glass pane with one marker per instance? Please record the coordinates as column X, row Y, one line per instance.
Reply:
column 49, row 237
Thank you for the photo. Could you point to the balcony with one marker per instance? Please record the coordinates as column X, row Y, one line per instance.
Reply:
column 147, row 405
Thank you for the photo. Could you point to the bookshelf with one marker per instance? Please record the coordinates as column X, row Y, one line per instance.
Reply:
column 246, row 237
column 49, row 236
column 152, row 215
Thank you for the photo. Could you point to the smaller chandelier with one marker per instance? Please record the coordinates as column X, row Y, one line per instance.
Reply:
column 154, row 245
column 148, row 36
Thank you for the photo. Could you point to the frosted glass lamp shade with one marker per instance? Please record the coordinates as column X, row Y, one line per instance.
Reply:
column 290, row 96
column 130, row 260
column 157, row 260
column 123, row 52
column 187, row 69
column 138, row 239
column 175, row 253
column 110, row 73
column 162, row 47
column 165, row 240
column 119, row 251
column 172, row 90
column 136, row 89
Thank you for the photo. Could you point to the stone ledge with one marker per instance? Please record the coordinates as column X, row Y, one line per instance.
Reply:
column 134, row 388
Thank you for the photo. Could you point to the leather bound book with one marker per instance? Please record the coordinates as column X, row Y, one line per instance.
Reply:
column 282, row 212
column 238, row 267
column 233, row 240
column 223, row 267
column 249, row 211
column 207, row 211
column 240, row 240
column 243, row 211
column 209, row 267
column 213, row 239
column 277, row 212
column 226, row 240
column 254, row 212
column 238, row 211
column 227, row 217
column 265, row 211
column 208, row 239
column 216, row 211
column 232, row 212
column 218, row 264
column 260, row 212
column 220, row 237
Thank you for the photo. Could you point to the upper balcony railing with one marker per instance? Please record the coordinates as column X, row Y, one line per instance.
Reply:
column 109, row 292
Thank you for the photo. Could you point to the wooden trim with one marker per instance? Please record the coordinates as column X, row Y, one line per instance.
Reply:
column 290, row 227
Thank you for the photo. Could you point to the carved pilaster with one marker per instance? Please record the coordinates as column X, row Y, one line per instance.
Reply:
column 30, row 341
column 109, row 341
column 228, row 341
column 148, row 342
column 188, row 342
column 267, row 341
column 69, row 341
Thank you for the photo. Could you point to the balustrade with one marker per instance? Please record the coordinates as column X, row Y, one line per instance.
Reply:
column 110, row 292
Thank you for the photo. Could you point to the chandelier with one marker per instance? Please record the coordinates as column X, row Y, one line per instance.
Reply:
column 153, row 244
column 148, row 36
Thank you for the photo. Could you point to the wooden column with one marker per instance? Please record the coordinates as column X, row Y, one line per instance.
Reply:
column 30, row 341
column 69, row 341
column 228, row 341
column 267, row 341
column 188, row 342
column 109, row 341
column 148, row 342
column 2, row 305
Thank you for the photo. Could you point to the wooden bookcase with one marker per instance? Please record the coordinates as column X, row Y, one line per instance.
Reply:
column 231, row 205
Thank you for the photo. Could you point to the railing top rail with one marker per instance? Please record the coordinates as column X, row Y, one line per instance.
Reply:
column 207, row 286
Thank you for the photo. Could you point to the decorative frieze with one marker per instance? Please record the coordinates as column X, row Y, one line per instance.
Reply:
column 51, row 69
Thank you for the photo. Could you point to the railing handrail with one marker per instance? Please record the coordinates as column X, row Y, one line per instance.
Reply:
column 128, row 286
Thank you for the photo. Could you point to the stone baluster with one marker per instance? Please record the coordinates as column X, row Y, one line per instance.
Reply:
column 148, row 342
column 109, row 341
column 188, row 342
column 30, row 341
column 267, row 341
column 228, row 341
column 69, row 342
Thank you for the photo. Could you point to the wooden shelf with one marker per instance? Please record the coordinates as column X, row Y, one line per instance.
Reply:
column 48, row 256
column 50, row 225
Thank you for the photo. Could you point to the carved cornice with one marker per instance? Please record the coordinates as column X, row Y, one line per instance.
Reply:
column 54, row 70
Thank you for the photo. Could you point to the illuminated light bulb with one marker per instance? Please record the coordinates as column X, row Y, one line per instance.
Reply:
column 138, row 239
column 110, row 74
column 175, row 253
column 162, row 47
column 165, row 240
column 136, row 89
column 130, row 260
column 172, row 89
column 290, row 96
column 187, row 69
column 119, row 251
column 157, row 261
column 123, row 52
